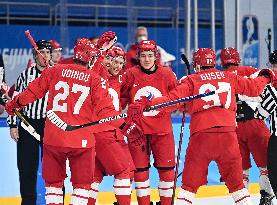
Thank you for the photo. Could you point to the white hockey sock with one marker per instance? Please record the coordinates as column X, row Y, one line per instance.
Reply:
column 94, row 190
column 122, row 187
column 246, row 178
column 264, row 181
column 185, row 197
column 166, row 188
column 242, row 197
column 80, row 196
column 54, row 195
column 143, row 188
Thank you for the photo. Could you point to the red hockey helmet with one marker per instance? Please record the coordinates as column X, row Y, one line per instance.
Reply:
column 204, row 57
column 115, row 52
column 147, row 45
column 84, row 50
column 55, row 45
column 229, row 55
column 118, row 52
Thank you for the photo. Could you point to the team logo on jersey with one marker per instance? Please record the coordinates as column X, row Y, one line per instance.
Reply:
column 150, row 96
column 150, row 92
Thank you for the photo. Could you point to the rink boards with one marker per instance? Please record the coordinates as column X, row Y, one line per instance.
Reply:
column 9, row 184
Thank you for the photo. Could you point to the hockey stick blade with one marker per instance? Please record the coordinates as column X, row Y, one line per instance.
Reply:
column 31, row 130
column 27, row 126
column 24, row 123
column 186, row 61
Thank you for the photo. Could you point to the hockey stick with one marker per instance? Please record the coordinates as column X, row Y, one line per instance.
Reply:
column 26, row 125
column 28, row 34
column 178, row 156
column 54, row 118
column 185, row 60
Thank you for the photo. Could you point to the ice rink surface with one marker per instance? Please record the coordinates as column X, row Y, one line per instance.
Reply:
column 223, row 200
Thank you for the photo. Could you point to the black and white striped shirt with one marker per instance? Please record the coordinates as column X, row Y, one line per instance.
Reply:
column 35, row 110
column 268, row 107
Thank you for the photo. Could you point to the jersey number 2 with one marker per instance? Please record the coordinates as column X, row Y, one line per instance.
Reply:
column 62, row 96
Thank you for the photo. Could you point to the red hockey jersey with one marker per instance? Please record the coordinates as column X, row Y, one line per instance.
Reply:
column 215, row 110
column 77, row 96
column 114, row 91
column 137, row 83
column 244, row 71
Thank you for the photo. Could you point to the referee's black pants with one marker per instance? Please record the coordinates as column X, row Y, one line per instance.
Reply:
column 28, row 161
column 272, row 162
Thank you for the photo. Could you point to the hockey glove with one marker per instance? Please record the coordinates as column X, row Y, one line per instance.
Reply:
column 268, row 74
column 105, row 39
column 4, row 88
column 135, row 110
column 133, row 133
column 12, row 105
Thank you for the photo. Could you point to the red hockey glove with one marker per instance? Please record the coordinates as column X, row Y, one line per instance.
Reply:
column 12, row 105
column 4, row 88
column 135, row 110
column 268, row 73
column 133, row 133
column 105, row 39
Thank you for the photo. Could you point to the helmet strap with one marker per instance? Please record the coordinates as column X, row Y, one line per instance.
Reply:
column 92, row 62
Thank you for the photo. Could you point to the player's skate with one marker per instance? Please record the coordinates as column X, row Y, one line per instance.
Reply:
column 266, row 198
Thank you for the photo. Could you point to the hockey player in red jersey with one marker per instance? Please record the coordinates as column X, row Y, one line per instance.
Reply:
column 77, row 96
column 212, row 125
column 150, row 79
column 56, row 55
column 112, row 154
column 253, row 134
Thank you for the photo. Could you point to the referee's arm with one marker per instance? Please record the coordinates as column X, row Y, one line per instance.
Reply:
column 12, row 120
column 268, row 103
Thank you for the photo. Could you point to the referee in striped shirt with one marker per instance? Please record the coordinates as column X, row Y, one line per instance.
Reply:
column 27, row 146
column 268, row 109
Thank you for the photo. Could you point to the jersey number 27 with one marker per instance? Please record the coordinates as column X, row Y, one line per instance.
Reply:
column 66, row 91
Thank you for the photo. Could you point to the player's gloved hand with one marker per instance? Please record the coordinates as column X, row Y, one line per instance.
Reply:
column 4, row 88
column 135, row 110
column 12, row 105
column 105, row 39
column 268, row 73
column 133, row 133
